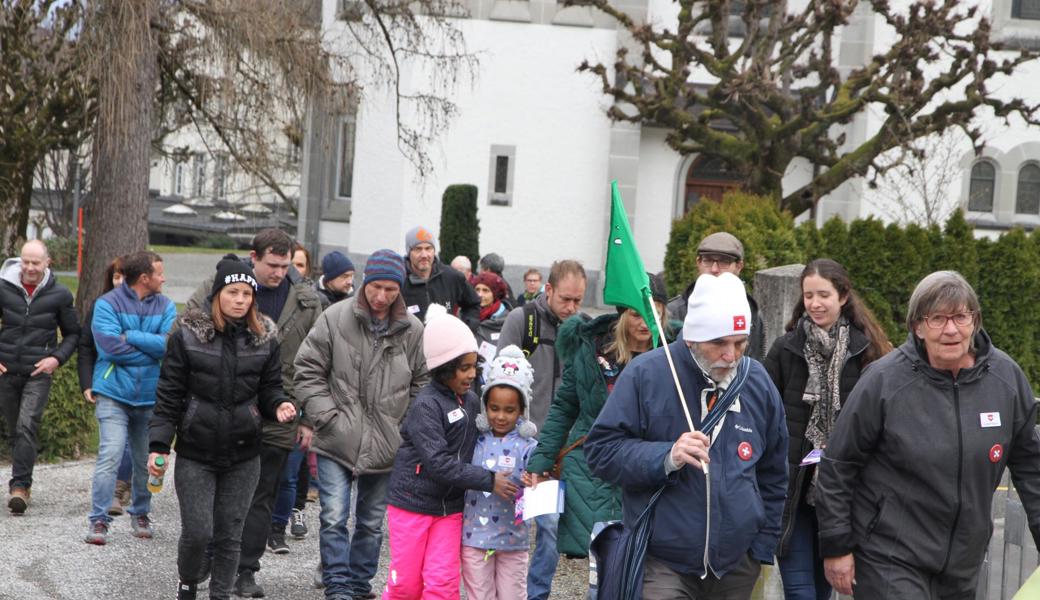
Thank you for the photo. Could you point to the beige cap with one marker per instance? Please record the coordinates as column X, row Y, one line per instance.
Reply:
column 722, row 243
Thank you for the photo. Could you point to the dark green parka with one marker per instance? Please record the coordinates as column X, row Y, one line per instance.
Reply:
column 574, row 409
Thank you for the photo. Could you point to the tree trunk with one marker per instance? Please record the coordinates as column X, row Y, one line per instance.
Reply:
column 116, row 214
column 14, row 210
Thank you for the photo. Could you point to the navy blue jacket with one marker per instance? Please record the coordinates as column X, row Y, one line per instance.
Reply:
column 432, row 469
column 634, row 433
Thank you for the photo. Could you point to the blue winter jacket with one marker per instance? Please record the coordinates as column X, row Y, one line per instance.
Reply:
column 130, row 335
column 634, row 433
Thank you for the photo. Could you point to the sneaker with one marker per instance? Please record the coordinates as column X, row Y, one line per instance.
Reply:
column 141, row 526
column 246, row 585
column 186, row 591
column 298, row 528
column 276, row 542
column 98, row 533
column 19, row 500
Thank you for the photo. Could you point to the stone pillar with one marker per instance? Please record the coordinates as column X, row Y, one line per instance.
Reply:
column 776, row 291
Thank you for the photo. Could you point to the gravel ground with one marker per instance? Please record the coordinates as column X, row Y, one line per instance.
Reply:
column 43, row 556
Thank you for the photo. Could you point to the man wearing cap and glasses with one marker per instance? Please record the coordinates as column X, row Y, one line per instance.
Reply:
column 719, row 253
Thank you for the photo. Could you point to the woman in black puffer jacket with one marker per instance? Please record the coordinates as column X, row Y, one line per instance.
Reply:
column 831, row 337
column 221, row 372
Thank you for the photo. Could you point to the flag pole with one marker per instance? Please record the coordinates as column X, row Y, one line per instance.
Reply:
column 675, row 376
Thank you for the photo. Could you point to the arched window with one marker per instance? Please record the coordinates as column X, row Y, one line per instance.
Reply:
column 980, row 194
column 1027, row 198
column 709, row 177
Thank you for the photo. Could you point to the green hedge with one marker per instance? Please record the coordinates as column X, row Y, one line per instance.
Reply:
column 69, row 428
column 460, row 228
column 63, row 253
column 767, row 234
column 885, row 263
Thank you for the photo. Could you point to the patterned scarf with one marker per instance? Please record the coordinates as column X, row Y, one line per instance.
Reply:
column 825, row 353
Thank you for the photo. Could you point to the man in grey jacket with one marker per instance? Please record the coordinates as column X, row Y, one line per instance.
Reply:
column 533, row 328
column 357, row 372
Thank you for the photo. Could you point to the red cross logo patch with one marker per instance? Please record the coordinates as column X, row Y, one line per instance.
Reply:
column 744, row 451
column 996, row 453
column 739, row 323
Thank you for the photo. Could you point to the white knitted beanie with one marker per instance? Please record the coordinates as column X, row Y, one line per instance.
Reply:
column 718, row 307
column 510, row 368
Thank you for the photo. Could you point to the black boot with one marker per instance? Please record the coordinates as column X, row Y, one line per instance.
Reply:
column 186, row 591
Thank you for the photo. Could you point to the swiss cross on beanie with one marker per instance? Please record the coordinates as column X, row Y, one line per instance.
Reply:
column 511, row 369
column 718, row 307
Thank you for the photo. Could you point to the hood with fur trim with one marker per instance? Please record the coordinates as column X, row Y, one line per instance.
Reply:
column 201, row 324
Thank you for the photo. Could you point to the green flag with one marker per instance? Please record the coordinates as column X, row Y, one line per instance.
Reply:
column 625, row 280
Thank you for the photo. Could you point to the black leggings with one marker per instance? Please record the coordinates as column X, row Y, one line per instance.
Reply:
column 213, row 505
column 303, row 484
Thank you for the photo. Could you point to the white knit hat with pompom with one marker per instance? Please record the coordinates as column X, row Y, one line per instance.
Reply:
column 510, row 368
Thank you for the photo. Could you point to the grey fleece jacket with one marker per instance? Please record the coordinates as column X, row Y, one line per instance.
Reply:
column 916, row 454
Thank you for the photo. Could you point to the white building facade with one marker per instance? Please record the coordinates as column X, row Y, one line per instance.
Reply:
column 532, row 135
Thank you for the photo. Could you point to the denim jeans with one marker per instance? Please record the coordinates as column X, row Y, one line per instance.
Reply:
column 350, row 563
column 213, row 503
column 286, row 499
column 802, row 568
column 543, row 561
column 126, row 465
column 23, row 399
column 118, row 423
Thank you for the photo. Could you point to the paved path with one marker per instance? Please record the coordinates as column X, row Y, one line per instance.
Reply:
column 43, row 556
column 184, row 273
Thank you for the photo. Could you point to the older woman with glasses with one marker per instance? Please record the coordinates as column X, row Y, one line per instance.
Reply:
column 906, row 483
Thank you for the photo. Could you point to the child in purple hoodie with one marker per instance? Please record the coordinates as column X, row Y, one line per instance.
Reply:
column 494, row 541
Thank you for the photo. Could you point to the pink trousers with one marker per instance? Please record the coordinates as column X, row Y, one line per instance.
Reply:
column 424, row 556
column 500, row 576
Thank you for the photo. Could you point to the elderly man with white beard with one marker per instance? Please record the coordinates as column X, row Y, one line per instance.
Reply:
column 717, row 519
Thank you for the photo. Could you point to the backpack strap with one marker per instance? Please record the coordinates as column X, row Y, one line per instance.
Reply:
column 532, row 327
column 728, row 397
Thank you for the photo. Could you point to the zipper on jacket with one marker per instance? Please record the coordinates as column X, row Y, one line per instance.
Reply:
column 458, row 457
column 707, row 515
column 960, row 469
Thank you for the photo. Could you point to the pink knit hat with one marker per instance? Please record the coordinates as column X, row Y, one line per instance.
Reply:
column 445, row 339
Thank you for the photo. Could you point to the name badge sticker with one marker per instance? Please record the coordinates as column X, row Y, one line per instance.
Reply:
column 413, row 309
column 507, row 461
column 455, row 415
column 812, row 458
column 989, row 419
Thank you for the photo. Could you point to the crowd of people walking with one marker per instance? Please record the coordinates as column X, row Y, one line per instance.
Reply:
column 432, row 398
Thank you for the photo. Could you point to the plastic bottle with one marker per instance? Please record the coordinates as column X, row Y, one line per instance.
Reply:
column 155, row 483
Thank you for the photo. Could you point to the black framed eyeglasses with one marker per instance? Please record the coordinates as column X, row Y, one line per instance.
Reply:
column 722, row 260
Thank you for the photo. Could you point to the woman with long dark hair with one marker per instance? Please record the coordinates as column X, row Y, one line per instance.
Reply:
column 831, row 337
column 221, row 372
column 85, row 362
